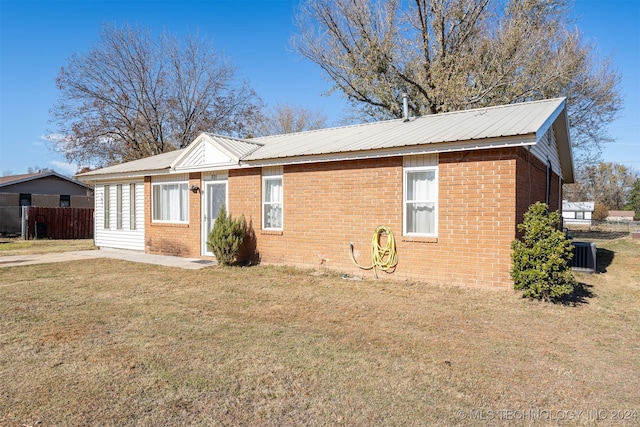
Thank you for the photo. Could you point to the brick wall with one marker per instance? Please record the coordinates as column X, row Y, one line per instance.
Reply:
column 329, row 205
column 483, row 194
column 174, row 239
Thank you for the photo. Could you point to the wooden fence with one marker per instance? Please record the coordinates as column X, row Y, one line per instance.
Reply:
column 60, row 223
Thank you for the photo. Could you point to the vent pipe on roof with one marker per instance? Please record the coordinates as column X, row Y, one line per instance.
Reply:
column 405, row 107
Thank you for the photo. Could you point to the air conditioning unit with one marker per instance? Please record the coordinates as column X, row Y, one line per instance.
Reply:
column 584, row 257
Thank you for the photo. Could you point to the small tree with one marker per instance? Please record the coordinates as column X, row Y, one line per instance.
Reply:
column 540, row 260
column 600, row 211
column 226, row 236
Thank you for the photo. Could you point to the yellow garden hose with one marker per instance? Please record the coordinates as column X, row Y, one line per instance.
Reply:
column 382, row 258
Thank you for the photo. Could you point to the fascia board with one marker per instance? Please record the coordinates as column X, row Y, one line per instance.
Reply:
column 123, row 175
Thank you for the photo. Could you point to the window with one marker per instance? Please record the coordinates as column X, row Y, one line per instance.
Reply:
column 132, row 206
column 65, row 201
column 420, row 201
column 579, row 215
column 170, row 202
column 119, row 206
column 272, row 202
column 107, row 207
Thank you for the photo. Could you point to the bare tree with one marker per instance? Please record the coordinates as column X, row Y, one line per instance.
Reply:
column 457, row 54
column 610, row 184
column 133, row 96
column 287, row 118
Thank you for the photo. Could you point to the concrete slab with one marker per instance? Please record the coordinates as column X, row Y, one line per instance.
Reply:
column 127, row 255
column 17, row 260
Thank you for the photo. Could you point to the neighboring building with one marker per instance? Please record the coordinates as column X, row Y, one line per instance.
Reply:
column 577, row 212
column 452, row 187
column 620, row 216
column 44, row 189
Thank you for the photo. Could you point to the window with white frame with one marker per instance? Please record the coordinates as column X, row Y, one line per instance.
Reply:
column 421, row 201
column 272, row 202
column 170, row 202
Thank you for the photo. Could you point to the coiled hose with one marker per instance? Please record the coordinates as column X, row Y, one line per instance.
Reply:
column 382, row 258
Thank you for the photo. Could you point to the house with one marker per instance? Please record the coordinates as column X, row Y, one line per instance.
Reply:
column 451, row 187
column 577, row 212
column 620, row 216
column 44, row 189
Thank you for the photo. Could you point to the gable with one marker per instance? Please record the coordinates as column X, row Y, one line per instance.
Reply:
column 203, row 154
column 212, row 152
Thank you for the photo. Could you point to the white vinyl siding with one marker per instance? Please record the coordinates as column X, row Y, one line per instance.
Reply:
column 131, row 233
column 547, row 151
column 272, row 198
column 420, row 194
column 170, row 202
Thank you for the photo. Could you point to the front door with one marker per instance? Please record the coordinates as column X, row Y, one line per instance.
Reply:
column 215, row 195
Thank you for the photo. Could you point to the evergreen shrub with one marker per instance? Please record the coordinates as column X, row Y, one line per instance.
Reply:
column 226, row 237
column 540, row 260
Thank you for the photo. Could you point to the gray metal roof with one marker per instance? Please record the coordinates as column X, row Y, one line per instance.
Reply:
column 527, row 119
column 492, row 122
column 578, row 206
column 238, row 148
column 157, row 162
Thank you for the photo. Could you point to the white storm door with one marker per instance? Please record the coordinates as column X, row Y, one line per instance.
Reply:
column 215, row 195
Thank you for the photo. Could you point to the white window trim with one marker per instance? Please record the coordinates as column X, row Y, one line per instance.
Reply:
column 264, row 189
column 405, row 172
column 160, row 184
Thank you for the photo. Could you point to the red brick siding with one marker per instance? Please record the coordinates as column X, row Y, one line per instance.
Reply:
column 174, row 239
column 328, row 205
column 532, row 184
column 482, row 196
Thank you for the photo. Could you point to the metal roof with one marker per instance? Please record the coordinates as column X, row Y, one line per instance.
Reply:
column 527, row 120
column 238, row 148
column 157, row 162
column 493, row 122
column 578, row 206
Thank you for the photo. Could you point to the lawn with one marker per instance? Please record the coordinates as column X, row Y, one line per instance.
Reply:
column 117, row 343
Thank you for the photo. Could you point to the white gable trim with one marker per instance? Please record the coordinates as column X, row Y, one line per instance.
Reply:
column 204, row 154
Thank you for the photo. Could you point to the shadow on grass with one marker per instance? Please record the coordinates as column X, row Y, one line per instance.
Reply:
column 581, row 294
column 598, row 234
column 604, row 258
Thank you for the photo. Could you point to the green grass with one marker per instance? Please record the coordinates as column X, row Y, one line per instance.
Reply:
column 117, row 343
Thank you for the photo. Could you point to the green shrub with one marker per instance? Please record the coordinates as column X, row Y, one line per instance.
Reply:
column 540, row 260
column 226, row 237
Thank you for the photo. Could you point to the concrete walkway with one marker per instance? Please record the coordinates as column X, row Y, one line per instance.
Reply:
column 133, row 256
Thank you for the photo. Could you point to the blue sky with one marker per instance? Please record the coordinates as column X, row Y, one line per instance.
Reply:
column 37, row 38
